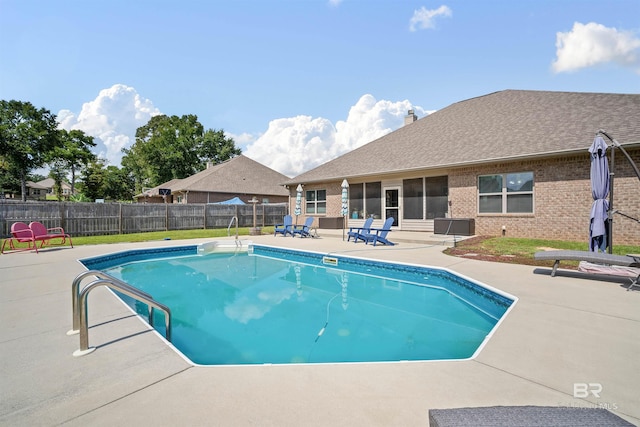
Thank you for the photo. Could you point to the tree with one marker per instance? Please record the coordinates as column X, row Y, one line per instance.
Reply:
column 117, row 184
column 9, row 181
column 111, row 182
column 217, row 148
column 75, row 152
column 92, row 180
column 134, row 166
column 35, row 177
column 58, row 172
column 166, row 148
column 171, row 147
column 27, row 135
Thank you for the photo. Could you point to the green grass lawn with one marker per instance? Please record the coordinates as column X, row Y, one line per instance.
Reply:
column 162, row 235
column 527, row 247
column 159, row 235
column 520, row 251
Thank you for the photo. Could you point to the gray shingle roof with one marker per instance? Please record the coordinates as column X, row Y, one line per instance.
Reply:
column 37, row 185
column 503, row 125
column 237, row 175
column 50, row 183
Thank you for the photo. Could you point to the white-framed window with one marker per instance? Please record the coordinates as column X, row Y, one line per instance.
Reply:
column 316, row 202
column 506, row 193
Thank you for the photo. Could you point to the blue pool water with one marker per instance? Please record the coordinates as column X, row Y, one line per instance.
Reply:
column 273, row 305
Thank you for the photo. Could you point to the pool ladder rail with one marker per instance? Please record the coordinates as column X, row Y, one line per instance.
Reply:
column 233, row 219
column 80, row 309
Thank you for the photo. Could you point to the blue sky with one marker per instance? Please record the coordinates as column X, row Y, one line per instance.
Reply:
column 305, row 79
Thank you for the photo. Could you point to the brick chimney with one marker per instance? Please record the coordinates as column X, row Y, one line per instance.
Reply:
column 410, row 118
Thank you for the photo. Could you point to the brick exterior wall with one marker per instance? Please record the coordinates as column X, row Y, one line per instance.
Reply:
column 334, row 198
column 334, row 201
column 562, row 199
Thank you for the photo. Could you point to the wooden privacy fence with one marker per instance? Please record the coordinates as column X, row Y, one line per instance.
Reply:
column 92, row 219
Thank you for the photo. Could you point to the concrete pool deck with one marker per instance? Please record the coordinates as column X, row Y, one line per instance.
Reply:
column 566, row 335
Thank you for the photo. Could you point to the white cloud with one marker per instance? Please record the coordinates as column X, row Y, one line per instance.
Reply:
column 335, row 2
column 290, row 145
column 424, row 18
column 254, row 303
column 242, row 140
column 112, row 119
column 297, row 144
column 591, row 44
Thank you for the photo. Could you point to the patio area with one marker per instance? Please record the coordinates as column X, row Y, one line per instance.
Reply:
column 570, row 341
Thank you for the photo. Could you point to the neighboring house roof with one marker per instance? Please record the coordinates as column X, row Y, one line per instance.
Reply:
column 32, row 184
column 506, row 125
column 50, row 183
column 46, row 184
column 237, row 175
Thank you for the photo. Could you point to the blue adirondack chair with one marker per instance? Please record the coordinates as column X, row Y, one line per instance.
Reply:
column 380, row 235
column 357, row 232
column 285, row 228
column 303, row 230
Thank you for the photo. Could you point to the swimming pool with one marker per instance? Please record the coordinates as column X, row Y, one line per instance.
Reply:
column 269, row 305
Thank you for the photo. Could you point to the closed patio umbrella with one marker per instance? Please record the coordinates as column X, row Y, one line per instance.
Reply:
column 345, row 204
column 609, row 224
column 345, row 198
column 298, row 209
column 598, row 228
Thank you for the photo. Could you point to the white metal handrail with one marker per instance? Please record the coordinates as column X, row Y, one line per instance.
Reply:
column 235, row 218
column 75, row 296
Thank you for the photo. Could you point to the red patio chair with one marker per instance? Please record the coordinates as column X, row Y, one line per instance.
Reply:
column 20, row 233
column 45, row 235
